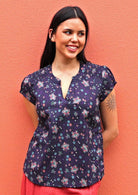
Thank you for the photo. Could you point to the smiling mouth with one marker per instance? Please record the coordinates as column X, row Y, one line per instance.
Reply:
column 72, row 48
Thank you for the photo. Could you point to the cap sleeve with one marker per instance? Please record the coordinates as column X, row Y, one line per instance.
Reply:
column 27, row 89
column 108, row 82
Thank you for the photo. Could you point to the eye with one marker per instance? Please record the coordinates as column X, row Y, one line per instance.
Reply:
column 68, row 32
column 81, row 34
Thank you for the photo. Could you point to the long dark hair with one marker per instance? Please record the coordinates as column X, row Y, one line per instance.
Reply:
column 63, row 14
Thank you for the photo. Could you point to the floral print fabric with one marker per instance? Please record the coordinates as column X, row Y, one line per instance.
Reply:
column 29, row 188
column 66, row 149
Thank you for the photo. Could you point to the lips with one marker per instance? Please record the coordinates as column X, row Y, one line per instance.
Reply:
column 72, row 48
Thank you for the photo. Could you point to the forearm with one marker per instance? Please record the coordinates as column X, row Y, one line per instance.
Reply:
column 109, row 136
column 109, row 119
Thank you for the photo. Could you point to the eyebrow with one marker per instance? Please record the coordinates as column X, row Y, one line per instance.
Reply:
column 72, row 30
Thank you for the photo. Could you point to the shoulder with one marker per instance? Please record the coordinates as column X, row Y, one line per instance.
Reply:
column 38, row 75
column 102, row 73
column 96, row 68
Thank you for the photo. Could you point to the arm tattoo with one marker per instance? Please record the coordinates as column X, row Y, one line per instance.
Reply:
column 111, row 103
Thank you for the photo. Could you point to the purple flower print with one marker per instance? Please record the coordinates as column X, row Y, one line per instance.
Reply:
column 75, row 134
column 40, row 84
column 74, row 169
column 53, row 163
column 52, row 96
column 76, row 100
column 66, row 112
column 84, row 147
column 64, row 181
column 65, row 146
column 94, row 168
column 40, row 178
column 85, row 83
column 83, row 182
column 85, row 113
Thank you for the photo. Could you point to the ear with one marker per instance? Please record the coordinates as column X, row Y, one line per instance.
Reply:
column 51, row 35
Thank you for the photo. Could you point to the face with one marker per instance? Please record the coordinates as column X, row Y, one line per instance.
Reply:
column 69, row 38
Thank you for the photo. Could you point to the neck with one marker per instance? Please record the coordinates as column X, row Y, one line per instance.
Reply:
column 65, row 64
column 65, row 67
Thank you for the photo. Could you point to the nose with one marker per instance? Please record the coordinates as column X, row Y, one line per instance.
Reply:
column 74, row 37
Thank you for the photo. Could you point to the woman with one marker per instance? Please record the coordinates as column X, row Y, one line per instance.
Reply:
column 67, row 99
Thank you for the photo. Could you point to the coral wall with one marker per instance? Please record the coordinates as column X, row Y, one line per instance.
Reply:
column 23, row 30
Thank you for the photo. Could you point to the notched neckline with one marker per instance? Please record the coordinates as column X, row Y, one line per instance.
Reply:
column 73, row 77
column 58, row 81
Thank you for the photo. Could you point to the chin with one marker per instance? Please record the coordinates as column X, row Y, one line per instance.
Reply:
column 71, row 56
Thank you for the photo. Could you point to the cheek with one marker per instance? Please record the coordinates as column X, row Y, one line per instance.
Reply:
column 61, row 39
column 82, row 41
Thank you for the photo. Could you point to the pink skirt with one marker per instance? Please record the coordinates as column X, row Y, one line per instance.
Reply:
column 29, row 188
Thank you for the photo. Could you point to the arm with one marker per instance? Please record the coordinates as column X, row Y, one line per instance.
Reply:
column 109, row 119
column 31, row 109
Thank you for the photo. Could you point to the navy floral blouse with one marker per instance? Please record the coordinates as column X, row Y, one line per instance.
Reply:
column 66, row 149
